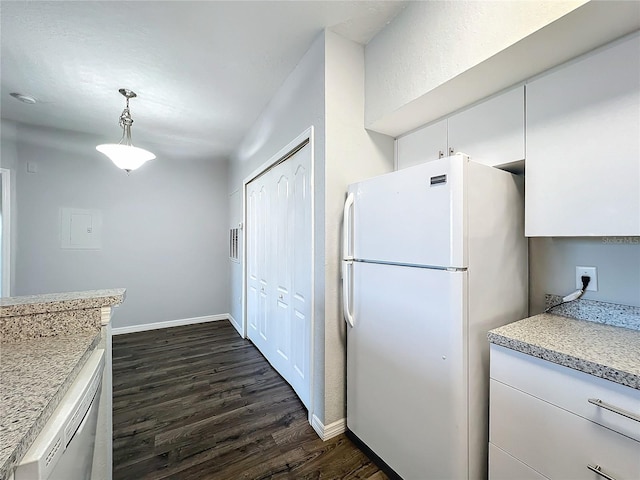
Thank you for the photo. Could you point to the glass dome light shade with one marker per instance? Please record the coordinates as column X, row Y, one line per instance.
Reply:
column 126, row 157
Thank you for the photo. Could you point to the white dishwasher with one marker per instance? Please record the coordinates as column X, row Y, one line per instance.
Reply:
column 64, row 449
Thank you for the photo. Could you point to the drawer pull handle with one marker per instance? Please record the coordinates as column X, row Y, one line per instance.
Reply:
column 612, row 408
column 598, row 470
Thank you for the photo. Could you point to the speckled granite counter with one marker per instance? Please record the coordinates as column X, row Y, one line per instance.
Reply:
column 45, row 341
column 605, row 351
column 34, row 376
column 56, row 302
column 37, row 316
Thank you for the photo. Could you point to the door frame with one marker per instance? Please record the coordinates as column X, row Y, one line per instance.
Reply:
column 280, row 156
column 5, row 240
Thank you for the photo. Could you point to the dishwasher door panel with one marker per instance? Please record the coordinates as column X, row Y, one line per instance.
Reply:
column 64, row 447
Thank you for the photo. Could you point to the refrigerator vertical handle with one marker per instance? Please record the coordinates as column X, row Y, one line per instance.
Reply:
column 347, row 264
column 347, row 272
column 347, row 228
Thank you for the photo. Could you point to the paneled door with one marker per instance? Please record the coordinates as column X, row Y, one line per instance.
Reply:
column 258, row 251
column 279, row 268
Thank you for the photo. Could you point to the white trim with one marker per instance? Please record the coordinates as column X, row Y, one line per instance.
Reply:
column 170, row 323
column 5, row 250
column 105, row 315
column 328, row 431
column 312, row 348
column 236, row 325
column 243, row 264
column 307, row 134
column 396, row 160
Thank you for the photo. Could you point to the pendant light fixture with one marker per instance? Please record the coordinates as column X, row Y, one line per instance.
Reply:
column 124, row 154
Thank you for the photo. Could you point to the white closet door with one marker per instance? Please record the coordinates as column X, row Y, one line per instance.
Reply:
column 300, row 254
column 258, row 255
column 279, row 268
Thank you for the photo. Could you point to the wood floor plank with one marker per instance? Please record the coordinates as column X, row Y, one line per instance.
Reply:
column 198, row 402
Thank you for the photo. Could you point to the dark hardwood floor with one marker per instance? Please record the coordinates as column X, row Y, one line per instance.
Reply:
column 199, row 402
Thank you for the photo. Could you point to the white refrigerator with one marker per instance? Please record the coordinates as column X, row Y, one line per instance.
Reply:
column 434, row 257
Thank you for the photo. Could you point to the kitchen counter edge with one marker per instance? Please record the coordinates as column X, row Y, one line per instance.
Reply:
column 58, row 302
column 600, row 350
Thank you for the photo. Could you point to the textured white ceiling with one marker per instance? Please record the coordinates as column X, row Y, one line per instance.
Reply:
column 203, row 71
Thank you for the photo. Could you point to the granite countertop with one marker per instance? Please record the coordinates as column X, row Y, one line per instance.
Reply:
column 45, row 340
column 57, row 302
column 602, row 350
column 34, row 376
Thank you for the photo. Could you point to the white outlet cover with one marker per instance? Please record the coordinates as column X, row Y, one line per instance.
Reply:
column 592, row 272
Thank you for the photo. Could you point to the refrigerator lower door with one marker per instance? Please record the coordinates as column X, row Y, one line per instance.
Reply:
column 406, row 377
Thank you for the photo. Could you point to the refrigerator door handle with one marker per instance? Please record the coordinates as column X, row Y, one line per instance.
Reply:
column 347, row 266
column 347, row 228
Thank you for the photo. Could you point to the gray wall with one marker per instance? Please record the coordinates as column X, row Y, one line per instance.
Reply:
column 298, row 105
column 235, row 268
column 351, row 155
column 552, row 263
column 164, row 234
column 326, row 91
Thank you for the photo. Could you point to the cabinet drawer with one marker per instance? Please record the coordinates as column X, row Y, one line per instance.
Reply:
column 503, row 466
column 557, row 443
column 568, row 389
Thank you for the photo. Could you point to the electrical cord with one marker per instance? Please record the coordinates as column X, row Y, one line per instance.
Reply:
column 573, row 296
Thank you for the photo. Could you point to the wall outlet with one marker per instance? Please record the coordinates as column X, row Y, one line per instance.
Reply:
column 590, row 272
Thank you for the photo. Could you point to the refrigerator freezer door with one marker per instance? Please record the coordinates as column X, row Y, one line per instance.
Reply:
column 406, row 387
column 412, row 216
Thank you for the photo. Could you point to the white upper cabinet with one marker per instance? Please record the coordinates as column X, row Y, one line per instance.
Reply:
column 423, row 145
column 491, row 132
column 583, row 146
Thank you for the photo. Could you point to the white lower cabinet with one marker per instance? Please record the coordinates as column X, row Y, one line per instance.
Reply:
column 503, row 466
column 528, row 430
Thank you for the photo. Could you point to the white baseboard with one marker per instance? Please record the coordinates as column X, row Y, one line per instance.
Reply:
column 170, row 323
column 325, row 432
column 236, row 325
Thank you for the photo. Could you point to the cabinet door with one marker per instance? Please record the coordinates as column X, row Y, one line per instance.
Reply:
column 428, row 143
column 557, row 443
column 491, row 132
column 568, row 389
column 503, row 466
column 583, row 146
